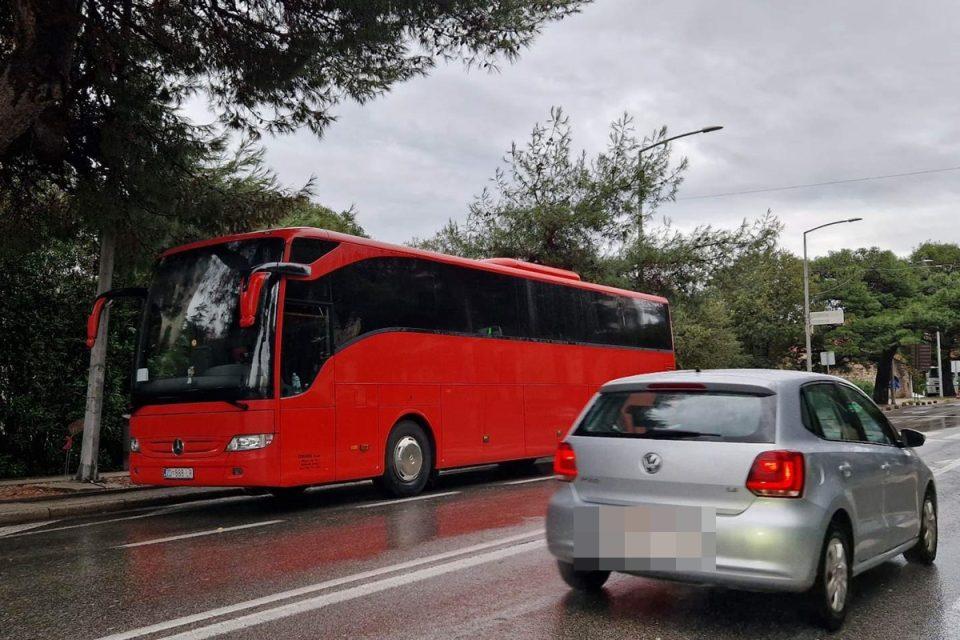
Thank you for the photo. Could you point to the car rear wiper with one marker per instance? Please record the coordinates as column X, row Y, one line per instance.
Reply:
column 668, row 434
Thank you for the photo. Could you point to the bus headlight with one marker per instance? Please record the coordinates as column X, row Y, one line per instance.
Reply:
column 248, row 443
column 134, row 445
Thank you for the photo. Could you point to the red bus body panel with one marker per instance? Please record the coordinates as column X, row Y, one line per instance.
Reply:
column 481, row 399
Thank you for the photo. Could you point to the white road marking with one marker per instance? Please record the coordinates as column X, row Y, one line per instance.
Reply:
column 352, row 593
column 950, row 466
column 526, row 480
column 17, row 528
column 426, row 496
column 320, row 586
column 197, row 534
column 98, row 522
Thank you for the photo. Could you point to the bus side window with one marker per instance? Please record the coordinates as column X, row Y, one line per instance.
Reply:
column 306, row 344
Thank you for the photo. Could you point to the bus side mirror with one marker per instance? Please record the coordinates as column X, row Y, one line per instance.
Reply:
column 93, row 322
column 250, row 298
column 259, row 275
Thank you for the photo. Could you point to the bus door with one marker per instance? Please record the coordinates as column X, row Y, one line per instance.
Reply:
column 307, row 416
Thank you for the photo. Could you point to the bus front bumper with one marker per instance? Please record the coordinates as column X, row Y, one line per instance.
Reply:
column 257, row 468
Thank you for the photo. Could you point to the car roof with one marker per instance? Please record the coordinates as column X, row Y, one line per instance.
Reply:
column 772, row 379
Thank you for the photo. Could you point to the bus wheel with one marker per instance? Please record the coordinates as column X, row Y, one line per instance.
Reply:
column 408, row 460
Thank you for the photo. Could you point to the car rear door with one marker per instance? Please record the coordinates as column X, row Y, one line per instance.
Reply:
column 849, row 464
column 638, row 446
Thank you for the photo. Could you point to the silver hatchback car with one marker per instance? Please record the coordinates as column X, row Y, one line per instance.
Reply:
column 753, row 479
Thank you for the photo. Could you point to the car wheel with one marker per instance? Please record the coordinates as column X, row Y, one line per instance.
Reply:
column 588, row 581
column 408, row 461
column 831, row 591
column 925, row 551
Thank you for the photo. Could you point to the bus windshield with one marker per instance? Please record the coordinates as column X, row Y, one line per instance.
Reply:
column 192, row 346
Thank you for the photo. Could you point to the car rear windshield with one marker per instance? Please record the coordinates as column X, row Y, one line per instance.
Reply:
column 681, row 415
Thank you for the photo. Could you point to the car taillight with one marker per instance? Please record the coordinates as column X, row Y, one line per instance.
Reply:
column 777, row 474
column 565, row 463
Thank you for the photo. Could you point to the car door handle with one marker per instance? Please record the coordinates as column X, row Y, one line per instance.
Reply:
column 885, row 466
column 845, row 469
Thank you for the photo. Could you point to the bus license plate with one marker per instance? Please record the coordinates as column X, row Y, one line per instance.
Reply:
column 178, row 473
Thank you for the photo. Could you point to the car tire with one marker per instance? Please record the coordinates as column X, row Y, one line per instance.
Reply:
column 925, row 551
column 586, row 581
column 830, row 594
column 408, row 461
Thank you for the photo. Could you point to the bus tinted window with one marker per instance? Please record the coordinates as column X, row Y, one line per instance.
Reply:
column 409, row 293
column 308, row 250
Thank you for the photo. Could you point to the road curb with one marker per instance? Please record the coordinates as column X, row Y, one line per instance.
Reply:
column 86, row 505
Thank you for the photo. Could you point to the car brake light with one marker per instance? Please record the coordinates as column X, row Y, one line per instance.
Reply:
column 565, row 463
column 777, row 474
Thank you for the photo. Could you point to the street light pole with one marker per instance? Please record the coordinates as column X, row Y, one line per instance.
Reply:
column 807, row 328
column 660, row 143
column 682, row 135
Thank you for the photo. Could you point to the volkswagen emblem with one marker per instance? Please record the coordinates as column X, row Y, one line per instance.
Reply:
column 652, row 462
column 178, row 447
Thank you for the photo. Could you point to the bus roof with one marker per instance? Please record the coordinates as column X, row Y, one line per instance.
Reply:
column 498, row 265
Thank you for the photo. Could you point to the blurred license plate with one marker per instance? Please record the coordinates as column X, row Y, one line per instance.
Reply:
column 645, row 538
column 178, row 473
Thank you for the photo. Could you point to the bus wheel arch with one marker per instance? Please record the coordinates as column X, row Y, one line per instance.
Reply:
column 409, row 457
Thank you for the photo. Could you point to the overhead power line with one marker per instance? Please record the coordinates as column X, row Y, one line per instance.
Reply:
column 819, row 184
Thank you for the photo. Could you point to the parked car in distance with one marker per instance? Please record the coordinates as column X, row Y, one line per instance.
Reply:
column 752, row 479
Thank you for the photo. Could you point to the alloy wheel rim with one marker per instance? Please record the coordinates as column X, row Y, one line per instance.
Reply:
column 835, row 570
column 929, row 525
column 408, row 458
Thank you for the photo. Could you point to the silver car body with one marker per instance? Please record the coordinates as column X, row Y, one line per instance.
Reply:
column 761, row 543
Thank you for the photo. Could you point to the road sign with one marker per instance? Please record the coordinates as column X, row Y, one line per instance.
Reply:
column 955, row 366
column 828, row 358
column 833, row 316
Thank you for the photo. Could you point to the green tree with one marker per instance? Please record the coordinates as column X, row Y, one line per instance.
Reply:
column 937, row 308
column 553, row 206
column 310, row 214
column 875, row 288
column 764, row 292
column 705, row 335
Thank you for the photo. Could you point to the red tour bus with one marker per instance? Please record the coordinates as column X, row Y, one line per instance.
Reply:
column 294, row 357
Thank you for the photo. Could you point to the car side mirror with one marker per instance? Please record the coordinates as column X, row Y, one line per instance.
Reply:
column 911, row 438
column 252, row 289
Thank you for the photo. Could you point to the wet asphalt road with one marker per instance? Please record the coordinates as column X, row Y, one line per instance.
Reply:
column 464, row 561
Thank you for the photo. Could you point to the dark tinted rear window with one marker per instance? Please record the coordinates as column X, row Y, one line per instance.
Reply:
column 681, row 415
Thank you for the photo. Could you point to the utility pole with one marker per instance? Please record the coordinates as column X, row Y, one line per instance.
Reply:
column 807, row 327
column 90, row 451
column 939, row 364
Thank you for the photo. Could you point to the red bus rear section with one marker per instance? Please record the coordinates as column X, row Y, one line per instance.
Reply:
column 492, row 360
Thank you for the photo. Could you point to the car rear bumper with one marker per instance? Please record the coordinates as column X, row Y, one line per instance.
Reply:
column 773, row 545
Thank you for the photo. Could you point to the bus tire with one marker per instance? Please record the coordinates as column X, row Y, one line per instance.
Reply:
column 408, row 461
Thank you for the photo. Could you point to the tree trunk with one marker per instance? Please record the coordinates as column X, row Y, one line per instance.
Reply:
column 881, row 386
column 36, row 74
column 90, row 452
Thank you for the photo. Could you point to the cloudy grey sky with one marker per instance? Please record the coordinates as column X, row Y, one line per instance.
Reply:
column 807, row 92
